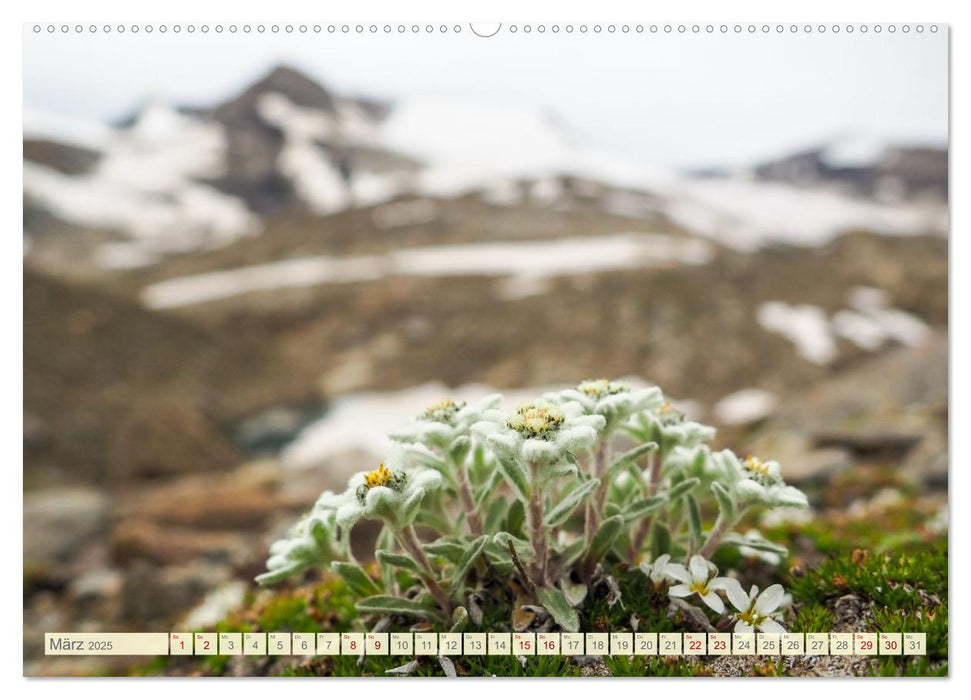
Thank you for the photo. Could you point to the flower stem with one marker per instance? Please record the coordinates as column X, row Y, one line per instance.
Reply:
column 721, row 527
column 408, row 539
column 644, row 528
column 595, row 506
column 537, row 531
column 468, row 503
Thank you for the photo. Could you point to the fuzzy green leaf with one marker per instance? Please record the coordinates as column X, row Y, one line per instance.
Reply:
column 496, row 514
column 355, row 577
column 604, row 538
column 515, row 518
column 757, row 543
column 639, row 509
column 397, row 560
column 725, row 504
column 560, row 512
column 694, row 519
column 271, row 577
column 391, row 605
column 516, row 477
column 660, row 540
column 465, row 563
column 460, row 619
column 678, row 490
column 630, row 457
column 446, row 549
column 459, row 449
column 559, row 607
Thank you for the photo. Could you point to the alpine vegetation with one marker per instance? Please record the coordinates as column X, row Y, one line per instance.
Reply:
column 534, row 510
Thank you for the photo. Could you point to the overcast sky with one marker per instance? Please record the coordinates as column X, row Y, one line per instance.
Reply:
column 678, row 99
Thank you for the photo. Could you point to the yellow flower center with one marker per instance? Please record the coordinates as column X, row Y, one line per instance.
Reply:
column 443, row 411
column 701, row 588
column 601, row 387
column 537, row 420
column 756, row 466
column 379, row 477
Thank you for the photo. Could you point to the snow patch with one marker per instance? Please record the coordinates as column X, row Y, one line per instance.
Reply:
column 145, row 186
column 805, row 325
column 745, row 407
column 533, row 259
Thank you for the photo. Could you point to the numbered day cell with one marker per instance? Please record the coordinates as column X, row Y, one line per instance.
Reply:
column 621, row 643
column 402, row 643
column 548, row 644
column 793, row 644
column 915, row 643
column 450, row 643
column 865, row 643
column 743, row 643
column 304, row 643
column 768, row 643
column 841, row 644
column 572, row 644
column 891, row 644
column 376, row 644
column 180, row 644
column 597, row 643
column 328, row 643
column 206, row 643
column 278, row 643
column 474, row 643
column 817, row 643
column 524, row 643
column 231, row 643
column 695, row 643
column 500, row 643
column 254, row 643
column 669, row 643
column 720, row 643
column 352, row 643
column 645, row 644
column 426, row 644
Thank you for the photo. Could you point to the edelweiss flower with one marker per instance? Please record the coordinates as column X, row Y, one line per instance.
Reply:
column 668, row 428
column 701, row 577
column 312, row 541
column 756, row 482
column 613, row 400
column 391, row 495
column 757, row 611
column 441, row 423
column 656, row 572
column 540, row 432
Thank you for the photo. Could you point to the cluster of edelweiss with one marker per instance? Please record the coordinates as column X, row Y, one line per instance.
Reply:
column 546, row 499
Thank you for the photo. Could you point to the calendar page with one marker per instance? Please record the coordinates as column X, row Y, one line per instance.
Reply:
column 435, row 348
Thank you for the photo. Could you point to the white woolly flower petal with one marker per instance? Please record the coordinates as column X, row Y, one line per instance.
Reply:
column 768, row 601
column 426, row 479
column 575, row 438
column 679, row 590
column 572, row 409
column 594, row 422
column 349, row 513
column 535, row 450
column 749, row 490
column 506, row 443
column 774, row 470
column 714, row 602
column 329, row 500
column 790, row 496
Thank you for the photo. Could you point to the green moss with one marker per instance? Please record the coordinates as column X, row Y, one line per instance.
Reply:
column 812, row 617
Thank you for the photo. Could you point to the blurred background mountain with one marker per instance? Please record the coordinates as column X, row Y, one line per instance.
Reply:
column 227, row 305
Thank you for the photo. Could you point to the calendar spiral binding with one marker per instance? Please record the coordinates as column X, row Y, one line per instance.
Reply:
column 487, row 30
